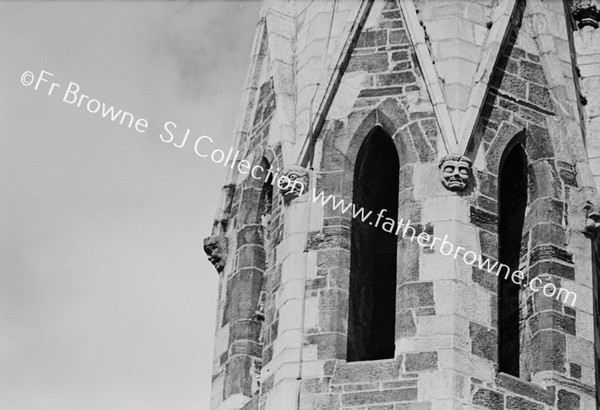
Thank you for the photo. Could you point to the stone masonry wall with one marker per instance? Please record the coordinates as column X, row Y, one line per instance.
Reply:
column 283, row 312
column 554, row 336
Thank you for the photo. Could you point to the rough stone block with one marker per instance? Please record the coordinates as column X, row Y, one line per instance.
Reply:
column 398, row 37
column 514, row 86
column 320, row 401
column 548, row 351
column 400, row 78
column 540, row 96
column 329, row 367
column 550, row 252
column 361, row 387
column 251, row 256
column 329, row 345
column 402, row 66
column 483, row 219
column 413, row 295
column 392, row 24
column 408, row 269
column 373, row 397
column 339, row 277
column 245, row 347
column 532, row 72
column 333, row 258
column 380, row 92
column 486, row 279
column 489, row 243
column 333, row 321
column 543, row 302
column 267, row 354
column 539, row 144
column 545, row 209
column 484, row 341
column 364, row 372
column 315, row 385
column 413, row 406
column 552, row 320
column 575, row 370
column 548, row 234
column 524, row 388
column 391, row 5
column 237, row 376
column 489, row 399
column 333, row 299
column 519, row 403
column 424, row 361
column 372, row 63
column 567, row 400
column 533, row 116
column 405, row 324
column 372, row 38
column 553, row 268
column 391, row 15
column 250, row 234
column 401, row 55
column 425, row 152
column 579, row 350
column 512, row 66
column 244, row 329
column 400, row 383
column 569, row 177
column 331, row 238
column 243, row 291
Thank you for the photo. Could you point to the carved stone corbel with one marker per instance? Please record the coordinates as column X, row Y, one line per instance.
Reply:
column 592, row 221
column 456, row 172
column 215, row 247
column 298, row 183
column 586, row 14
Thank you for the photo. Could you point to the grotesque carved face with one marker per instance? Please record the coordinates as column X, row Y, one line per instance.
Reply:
column 298, row 183
column 455, row 173
column 215, row 247
column 592, row 223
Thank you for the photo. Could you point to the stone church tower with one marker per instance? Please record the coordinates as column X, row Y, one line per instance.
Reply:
column 471, row 125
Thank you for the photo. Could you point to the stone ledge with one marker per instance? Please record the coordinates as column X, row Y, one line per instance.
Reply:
column 376, row 397
column 527, row 389
column 489, row 399
column 574, row 385
column 367, row 371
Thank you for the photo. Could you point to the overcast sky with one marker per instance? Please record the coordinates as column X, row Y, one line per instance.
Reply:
column 107, row 300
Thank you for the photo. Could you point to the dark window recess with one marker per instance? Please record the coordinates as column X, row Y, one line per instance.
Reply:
column 265, row 202
column 513, row 201
column 372, row 296
column 596, row 287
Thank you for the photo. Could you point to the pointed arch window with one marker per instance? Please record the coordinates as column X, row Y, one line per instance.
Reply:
column 372, row 287
column 596, row 307
column 512, row 203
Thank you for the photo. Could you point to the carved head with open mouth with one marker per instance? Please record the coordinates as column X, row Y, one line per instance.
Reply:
column 456, row 172
column 215, row 247
column 298, row 182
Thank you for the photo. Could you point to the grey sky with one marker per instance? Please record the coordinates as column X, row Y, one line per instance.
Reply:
column 106, row 298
